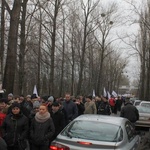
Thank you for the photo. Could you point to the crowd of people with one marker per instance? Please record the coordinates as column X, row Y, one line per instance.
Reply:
column 34, row 121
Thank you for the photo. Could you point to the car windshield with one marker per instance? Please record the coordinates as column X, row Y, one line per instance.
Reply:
column 98, row 131
column 143, row 109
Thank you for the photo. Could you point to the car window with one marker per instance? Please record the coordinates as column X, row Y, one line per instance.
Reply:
column 143, row 109
column 98, row 131
column 130, row 130
column 145, row 104
column 137, row 103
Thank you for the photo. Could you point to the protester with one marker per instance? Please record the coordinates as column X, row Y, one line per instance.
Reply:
column 49, row 103
column 3, row 145
column 3, row 111
column 80, row 106
column 119, row 103
column 35, row 109
column 42, row 129
column 130, row 112
column 10, row 98
column 58, row 119
column 26, row 106
column 112, row 104
column 103, row 107
column 71, row 110
column 90, row 106
column 15, row 128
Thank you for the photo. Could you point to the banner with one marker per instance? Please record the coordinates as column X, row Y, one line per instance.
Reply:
column 105, row 94
column 35, row 91
column 114, row 93
column 108, row 94
column 93, row 93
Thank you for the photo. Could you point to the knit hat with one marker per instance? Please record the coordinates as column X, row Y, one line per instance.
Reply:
column 50, row 99
column 10, row 95
column 15, row 104
column 36, row 104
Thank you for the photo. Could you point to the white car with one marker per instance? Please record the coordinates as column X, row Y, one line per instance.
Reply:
column 145, row 103
column 97, row 132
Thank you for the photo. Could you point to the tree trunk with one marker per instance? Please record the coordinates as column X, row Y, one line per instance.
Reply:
column 53, row 39
column 39, row 55
column 82, row 58
column 9, row 74
column 63, row 57
column 2, row 40
column 22, row 48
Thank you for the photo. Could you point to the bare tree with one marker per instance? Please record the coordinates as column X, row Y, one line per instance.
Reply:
column 9, row 73
column 87, row 10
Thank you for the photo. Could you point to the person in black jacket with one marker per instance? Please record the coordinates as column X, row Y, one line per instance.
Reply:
column 42, row 129
column 58, row 119
column 3, row 145
column 130, row 112
column 15, row 128
column 80, row 106
column 103, row 106
column 70, row 108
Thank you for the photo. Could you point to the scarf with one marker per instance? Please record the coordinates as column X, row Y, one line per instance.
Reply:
column 42, row 117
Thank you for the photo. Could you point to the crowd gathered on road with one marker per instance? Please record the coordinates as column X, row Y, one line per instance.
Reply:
column 32, row 121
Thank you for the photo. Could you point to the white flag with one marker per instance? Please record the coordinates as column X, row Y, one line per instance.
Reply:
column 105, row 94
column 35, row 91
column 114, row 93
column 93, row 93
column 109, row 96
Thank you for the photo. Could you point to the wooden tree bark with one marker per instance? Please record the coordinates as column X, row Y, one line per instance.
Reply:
column 9, row 73
column 53, row 41
column 39, row 54
column 22, row 48
column 63, row 58
column 2, row 40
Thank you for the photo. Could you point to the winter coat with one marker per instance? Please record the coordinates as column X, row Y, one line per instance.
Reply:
column 90, row 108
column 41, row 132
column 15, row 128
column 3, row 145
column 2, row 117
column 130, row 112
column 71, row 110
column 103, row 108
column 80, row 108
column 59, row 122
column 112, row 102
column 26, row 107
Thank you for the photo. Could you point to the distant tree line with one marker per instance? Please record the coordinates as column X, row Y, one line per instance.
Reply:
column 61, row 45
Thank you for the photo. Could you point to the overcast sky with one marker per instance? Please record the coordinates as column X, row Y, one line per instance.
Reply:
column 129, row 28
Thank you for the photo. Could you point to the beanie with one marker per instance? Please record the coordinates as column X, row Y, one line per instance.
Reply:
column 36, row 104
column 10, row 95
column 50, row 99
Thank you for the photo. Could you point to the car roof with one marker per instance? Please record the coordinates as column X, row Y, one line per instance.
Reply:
column 102, row 118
